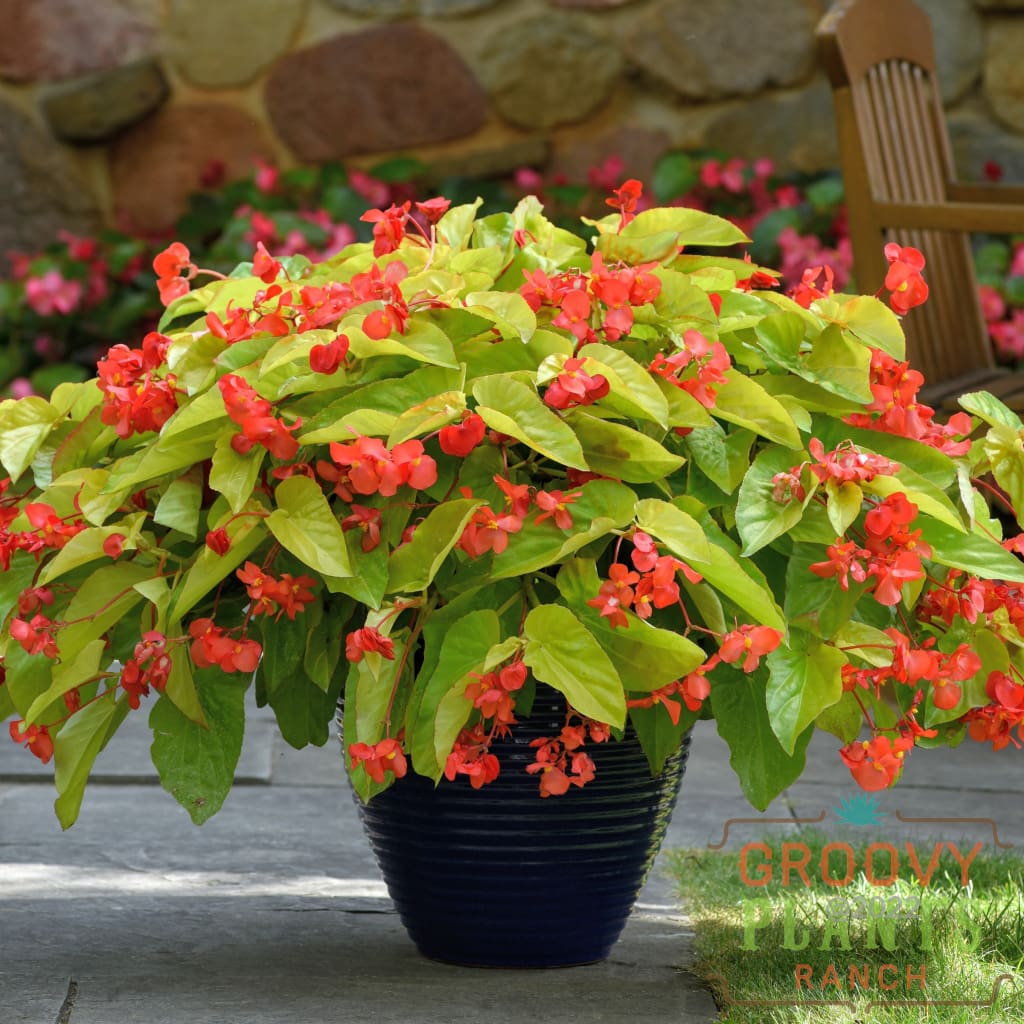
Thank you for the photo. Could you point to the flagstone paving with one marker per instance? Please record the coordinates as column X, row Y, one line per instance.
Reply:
column 274, row 911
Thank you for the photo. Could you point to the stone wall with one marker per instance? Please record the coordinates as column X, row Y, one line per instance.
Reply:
column 111, row 109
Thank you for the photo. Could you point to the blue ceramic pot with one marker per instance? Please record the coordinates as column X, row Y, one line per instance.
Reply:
column 500, row 877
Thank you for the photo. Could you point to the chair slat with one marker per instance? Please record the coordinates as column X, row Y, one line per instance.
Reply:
column 895, row 149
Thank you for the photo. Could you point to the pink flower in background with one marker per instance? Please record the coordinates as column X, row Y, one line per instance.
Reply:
column 992, row 305
column 1017, row 264
column 341, row 235
column 21, row 387
column 727, row 174
column 266, row 176
column 46, row 348
column 1008, row 336
column 79, row 248
column 529, row 180
column 51, row 293
column 261, row 227
column 605, row 177
column 374, row 191
column 801, row 251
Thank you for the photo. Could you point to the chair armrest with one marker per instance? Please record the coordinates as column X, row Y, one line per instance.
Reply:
column 1012, row 195
column 995, row 218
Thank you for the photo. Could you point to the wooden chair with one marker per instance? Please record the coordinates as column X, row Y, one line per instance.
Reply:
column 900, row 186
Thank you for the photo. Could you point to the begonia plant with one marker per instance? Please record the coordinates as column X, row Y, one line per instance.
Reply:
column 479, row 454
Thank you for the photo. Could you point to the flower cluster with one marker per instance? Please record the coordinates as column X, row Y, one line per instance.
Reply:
column 696, row 367
column 890, row 557
column 366, row 466
column 248, row 410
column 601, row 302
column 214, row 646
column 287, row 595
column 649, row 585
column 561, row 760
column 896, row 409
column 137, row 397
column 50, row 532
column 498, row 451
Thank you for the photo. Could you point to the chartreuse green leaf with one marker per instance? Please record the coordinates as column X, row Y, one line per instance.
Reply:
column 292, row 350
column 678, row 530
column 87, row 546
column 75, row 749
column 246, row 533
column 101, row 600
column 201, row 418
column 839, row 363
column 508, row 311
column 179, row 506
column 988, row 408
column 563, row 653
column 760, row 517
column 304, row 524
column 369, row 585
column 368, row 690
column 971, row 552
column 427, row 417
column 645, row 656
column 803, row 681
column 683, row 409
column 385, row 399
column 235, row 475
column 738, row 579
column 422, row 341
column 632, row 389
column 603, row 506
column 870, row 320
column 513, row 408
column 780, row 337
column 741, row 400
column 160, row 460
column 24, row 426
column 67, row 674
column 762, row 764
column 865, row 642
column 845, row 501
column 455, row 228
column 415, row 563
column 660, row 233
column 723, row 458
column 1004, row 448
column 618, row 451
column 438, row 714
column 196, row 764
column 181, row 687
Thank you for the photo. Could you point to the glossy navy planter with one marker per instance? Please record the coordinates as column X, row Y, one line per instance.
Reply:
column 499, row 877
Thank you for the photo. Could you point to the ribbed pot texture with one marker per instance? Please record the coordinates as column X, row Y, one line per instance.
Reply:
column 500, row 877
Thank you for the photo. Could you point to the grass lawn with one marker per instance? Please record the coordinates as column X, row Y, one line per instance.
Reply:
column 860, row 949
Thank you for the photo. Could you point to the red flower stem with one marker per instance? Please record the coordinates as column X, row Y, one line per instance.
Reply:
column 92, row 700
column 414, row 635
column 864, row 710
column 997, row 492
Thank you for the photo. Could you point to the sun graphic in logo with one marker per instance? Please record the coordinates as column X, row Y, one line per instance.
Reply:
column 859, row 809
